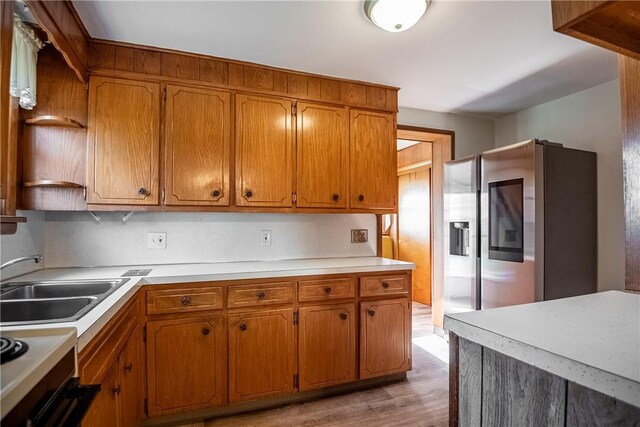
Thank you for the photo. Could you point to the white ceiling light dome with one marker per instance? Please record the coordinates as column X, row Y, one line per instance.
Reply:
column 395, row 15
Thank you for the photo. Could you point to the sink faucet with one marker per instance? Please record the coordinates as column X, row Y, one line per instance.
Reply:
column 37, row 258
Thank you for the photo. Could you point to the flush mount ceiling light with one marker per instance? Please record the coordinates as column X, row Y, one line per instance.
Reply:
column 395, row 15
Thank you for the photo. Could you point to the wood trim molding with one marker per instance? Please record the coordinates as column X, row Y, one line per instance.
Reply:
column 137, row 61
column 65, row 30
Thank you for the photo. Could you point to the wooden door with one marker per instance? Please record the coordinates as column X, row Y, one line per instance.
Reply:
column 322, row 156
column 264, row 151
column 105, row 408
column 261, row 354
column 123, row 137
column 131, row 365
column 186, row 363
column 385, row 337
column 414, row 229
column 197, row 141
column 373, row 160
column 327, row 345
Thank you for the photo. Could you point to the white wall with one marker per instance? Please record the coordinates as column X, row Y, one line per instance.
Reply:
column 588, row 120
column 28, row 240
column 75, row 239
column 473, row 135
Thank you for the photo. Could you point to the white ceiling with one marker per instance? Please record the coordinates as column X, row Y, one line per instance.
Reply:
column 476, row 57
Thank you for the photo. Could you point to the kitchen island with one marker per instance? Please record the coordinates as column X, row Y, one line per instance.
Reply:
column 573, row 361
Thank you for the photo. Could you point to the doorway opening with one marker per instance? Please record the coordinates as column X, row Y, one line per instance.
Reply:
column 416, row 232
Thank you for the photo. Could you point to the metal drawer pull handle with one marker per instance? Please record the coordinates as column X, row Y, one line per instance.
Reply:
column 361, row 198
column 128, row 367
column 343, row 316
column 336, row 197
column 185, row 300
column 261, row 295
column 243, row 327
column 371, row 312
column 327, row 290
column 143, row 192
column 205, row 331
column 215, row 193
column 385, row 285
column 248, row 194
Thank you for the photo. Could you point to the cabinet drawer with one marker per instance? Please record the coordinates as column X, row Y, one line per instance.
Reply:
column 384, row 285
column 184, row 300
column 326, row 289
column 260, row 294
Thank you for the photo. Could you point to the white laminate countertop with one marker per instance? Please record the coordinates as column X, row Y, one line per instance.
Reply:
column 91, row 323
column 46, row 348
column 592, row 340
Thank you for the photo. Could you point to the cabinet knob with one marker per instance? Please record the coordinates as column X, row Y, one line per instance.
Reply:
column 128, row 367
column 385, row 285
column 371, row 312
column 327, row 290
column 143, row 192
column 116, row 389
column 243, row 327
column 185, row 300
column 335, row 197
column 261, row 295
column 343, row 316
column 205, row 331
column 361, row 198
column 215, row 193
column 248, row 194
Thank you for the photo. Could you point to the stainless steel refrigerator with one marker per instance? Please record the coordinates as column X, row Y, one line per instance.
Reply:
column 520, row 226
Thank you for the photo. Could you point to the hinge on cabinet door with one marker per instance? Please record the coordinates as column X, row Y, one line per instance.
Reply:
column 163, row 194
column 294, row 109
column 84, row 193
column 144, row 333
column 296, row 317
column 146, row 406
column 164, row 94
column 294, row 198
column 296, row 381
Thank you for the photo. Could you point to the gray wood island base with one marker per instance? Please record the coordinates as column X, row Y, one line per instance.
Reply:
column 502, row 374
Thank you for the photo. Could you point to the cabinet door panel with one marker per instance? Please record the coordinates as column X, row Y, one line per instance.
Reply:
column 132, row 367
column 322, row 162
column 186, row 361
column 123, row 137
column 197, row 141
column 105, row 408
column 385, row 337
column 261, row 354
column 327, row 345
column 374, row 181
column 264, row 151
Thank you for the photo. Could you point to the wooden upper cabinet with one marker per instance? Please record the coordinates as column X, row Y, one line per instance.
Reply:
column 197, row 140
column 262, row 354
column 374, row 183
column 327, row 345
column 322, row 156
column 186, row 363
column 385, row 337
column 264, row 151
column 123, row 136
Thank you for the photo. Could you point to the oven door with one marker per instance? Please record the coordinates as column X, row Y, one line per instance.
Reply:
column 67, row 406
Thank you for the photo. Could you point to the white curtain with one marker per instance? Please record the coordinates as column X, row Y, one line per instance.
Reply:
column 24, row 57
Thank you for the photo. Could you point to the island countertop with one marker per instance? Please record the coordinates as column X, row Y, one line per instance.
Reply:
column 592, row 340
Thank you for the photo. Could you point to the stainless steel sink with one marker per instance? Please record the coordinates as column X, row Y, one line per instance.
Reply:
column 52, row 301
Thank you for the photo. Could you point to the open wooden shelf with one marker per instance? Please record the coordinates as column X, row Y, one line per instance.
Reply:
column 49, row 183
column 58, row 121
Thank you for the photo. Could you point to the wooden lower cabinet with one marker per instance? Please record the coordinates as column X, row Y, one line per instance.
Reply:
column 262, row 354
column 327, row 345
column 186, row 363
column 385, row 337
column 105, row 407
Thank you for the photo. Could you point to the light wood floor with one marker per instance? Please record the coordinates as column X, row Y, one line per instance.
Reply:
column 421, row 400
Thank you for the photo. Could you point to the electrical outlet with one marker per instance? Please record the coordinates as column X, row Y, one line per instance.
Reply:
column 156, row 240
column 265, row 238
column 360, row 236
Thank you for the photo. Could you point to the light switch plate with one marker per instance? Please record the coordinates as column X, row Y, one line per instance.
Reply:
column 359, row 236
column 156, row 240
